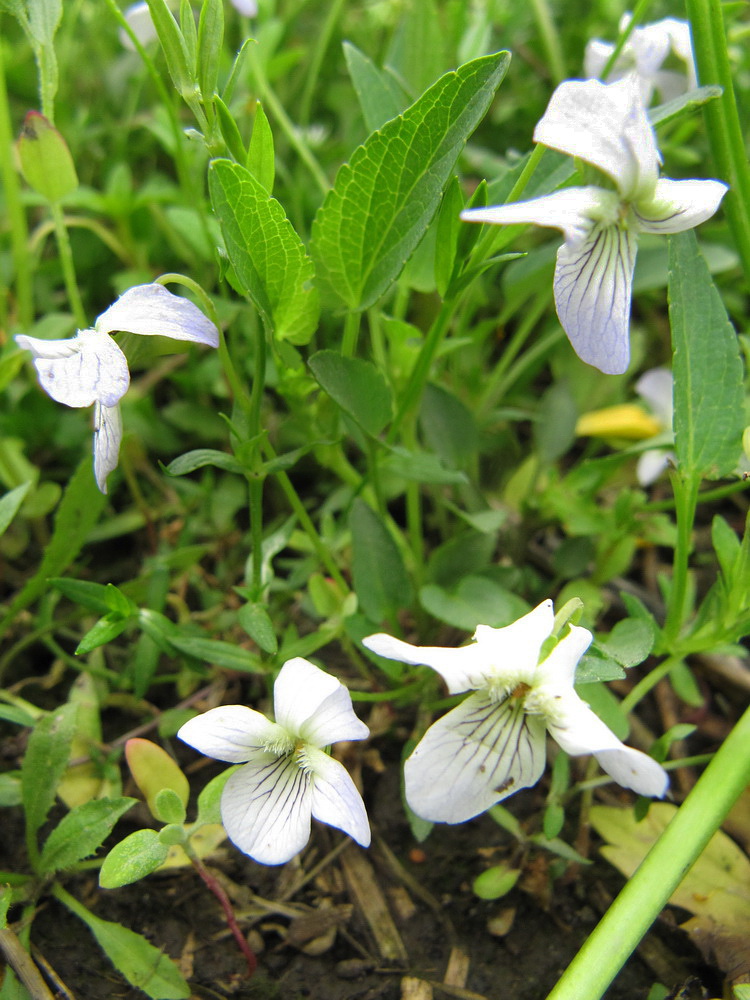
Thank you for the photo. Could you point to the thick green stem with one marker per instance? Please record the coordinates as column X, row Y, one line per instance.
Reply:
column 18, row 229
column 664, row 867
column 351, row 334
column 68, row 268
column 722, row 119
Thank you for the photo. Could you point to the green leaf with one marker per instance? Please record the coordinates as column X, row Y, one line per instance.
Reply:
column 449, row 426
column 266, row 253
column 132, row 859
column 380, row 578
column 357, row 386
column 44, row 18
column 229, row 130
column 209, row 800
column 94, row 596
column 708, row 397
column 255, row 620
column 629, row 642
column 384, row 199
column 448, row 227
column 222, row 654
column 173, row 46
column 10, row 503
column 476, row 600
column 260, row 153
column 168, row 806
column 77, row 514
column 210, row 39
column 104, row 631
column 380, row 95
column 46, row 162
column 44, row 763
column 81, row 833
column 692, row 101
column 143, row 965
column 421, row 467
column 201, row 457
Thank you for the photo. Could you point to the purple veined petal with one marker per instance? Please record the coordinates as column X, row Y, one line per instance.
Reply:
column 315, row 705
column 80, row 371
column 151, row 310
column 335, row 799
column 475, row 756
column 107, row 439
column 679, row 205
column 462, row 668
column 592, row 287
column 575, row 211
column 606, row 125
column 266, row 808
column 578, row 730
column 234, row 733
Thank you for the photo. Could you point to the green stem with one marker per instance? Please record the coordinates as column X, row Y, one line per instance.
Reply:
column 351, row 334
column 18, row 230
column 725, row 133
column 550, row 40
column 648, row 683
column 269, row 99
column 321, row 46
column 686, row 499
column 618, row 933
column 68, row 268
column 637, row 16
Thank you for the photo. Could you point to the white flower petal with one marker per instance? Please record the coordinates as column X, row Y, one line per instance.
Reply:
column 604, row 124
column 558, row 670
column 651, row 464
column 515, row 648
column 107, row 439
column 578, row 730
column 655, row 387
column 248, row 8
column 679, row 205
column 573, row 210
column 141, row 24
column 266, row 808
column 315, row 705
column 472, row 758
column 335, row 799
column 151, row 310
column 233, row 733
column 459, row 667
column 592, row 294
column 76, row 372
column 595, row 57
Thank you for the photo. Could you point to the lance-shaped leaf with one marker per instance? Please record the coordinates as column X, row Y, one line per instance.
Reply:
column 384, row 199
column 708, row 402
column 44, row 763
column 81, row 833
column 265, row 251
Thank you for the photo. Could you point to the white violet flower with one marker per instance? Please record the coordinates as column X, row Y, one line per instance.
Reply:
column 606, row 126
column 655, row 387
column 91, row 368
column 644, row 53
column 287, row 777
column 493, row 743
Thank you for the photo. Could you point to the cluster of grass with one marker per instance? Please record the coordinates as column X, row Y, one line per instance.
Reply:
column 390, row 434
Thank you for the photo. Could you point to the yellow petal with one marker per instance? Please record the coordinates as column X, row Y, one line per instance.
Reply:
column 624, row 421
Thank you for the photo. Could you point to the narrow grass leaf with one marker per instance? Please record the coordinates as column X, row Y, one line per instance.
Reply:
column 267, row 254
column 383, row 200
column 81, row 833
column 708, row 399
column 10, row 503
column 357, row 386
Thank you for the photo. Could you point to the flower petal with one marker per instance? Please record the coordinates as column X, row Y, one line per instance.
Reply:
column 79, row 371
column 604, row 124
column 266, row 808
column 475, row 756
column 234, row 733
column 335, row 799
column 514, row 649
column 573, row 210
column 315, row 705
column 150, row 310
column 558, row 670
column 107, row 438
column 679, row 205
column 651, row 464
column 460, row 667
column 579, row 730
column 595, row 57
column 656, row 387
column 592, row 285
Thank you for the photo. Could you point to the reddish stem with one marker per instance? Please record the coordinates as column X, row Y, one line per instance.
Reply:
column 239, row 937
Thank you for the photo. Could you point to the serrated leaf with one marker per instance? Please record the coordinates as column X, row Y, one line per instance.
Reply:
column 357, row 386
column 81, row 833
column 380, row 578
column 132, row 859
column 379, row 93
column 143, row 965
column 708, row 397
column 383, row 200
column 44, row 763
column 201, row 457
column 266, row 253
column 10, row 503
